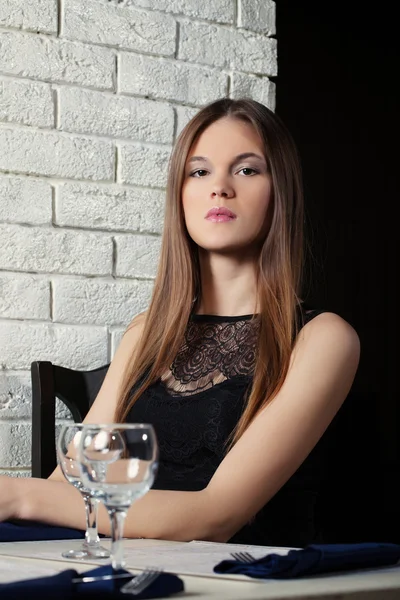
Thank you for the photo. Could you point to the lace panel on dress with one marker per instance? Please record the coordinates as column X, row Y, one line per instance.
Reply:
column 213, row 351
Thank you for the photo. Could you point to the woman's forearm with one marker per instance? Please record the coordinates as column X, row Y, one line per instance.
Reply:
column 54, row 502
column 174, row 515
column 181, row 516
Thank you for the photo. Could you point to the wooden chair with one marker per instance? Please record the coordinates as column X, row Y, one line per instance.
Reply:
column 76, row 389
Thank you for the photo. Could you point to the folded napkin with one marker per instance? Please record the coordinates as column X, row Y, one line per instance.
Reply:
column 26, row 531
column 315, row 559
column 62, row 587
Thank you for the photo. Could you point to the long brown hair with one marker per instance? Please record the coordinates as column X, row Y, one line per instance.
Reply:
column 177, row 281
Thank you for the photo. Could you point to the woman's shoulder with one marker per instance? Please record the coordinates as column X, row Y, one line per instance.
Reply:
column 131, row 337
column 138, row 321
column 323, row 325
column 308, row 313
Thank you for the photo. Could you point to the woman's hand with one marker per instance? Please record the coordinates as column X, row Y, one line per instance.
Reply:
column 54, row 502
column 11, row 496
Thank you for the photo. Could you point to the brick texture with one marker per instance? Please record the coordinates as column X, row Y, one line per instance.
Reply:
column 40, row 15
column 26, row 103
column 25, row 200
column 56, row 155
column 49, row 59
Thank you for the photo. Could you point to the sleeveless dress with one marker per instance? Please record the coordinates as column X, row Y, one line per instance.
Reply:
column 195, row 406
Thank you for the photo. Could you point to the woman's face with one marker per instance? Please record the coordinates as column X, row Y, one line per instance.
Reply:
column 227, row 189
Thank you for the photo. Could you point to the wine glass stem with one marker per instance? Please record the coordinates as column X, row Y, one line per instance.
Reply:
column 117, row 517
column 91, row 534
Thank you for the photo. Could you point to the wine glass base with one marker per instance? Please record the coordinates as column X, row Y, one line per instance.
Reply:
column 98, row 552
column 75, row 554
column 86, row 553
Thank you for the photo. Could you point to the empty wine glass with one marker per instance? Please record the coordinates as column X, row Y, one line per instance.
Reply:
column 67, row 447
column 118, row 463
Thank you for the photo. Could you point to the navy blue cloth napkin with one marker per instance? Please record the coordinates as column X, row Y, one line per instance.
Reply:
column 27, row 531
column 62, row 587
column 315, row 559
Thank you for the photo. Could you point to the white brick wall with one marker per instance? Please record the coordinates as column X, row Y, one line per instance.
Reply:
column 170, row 80
column 40, row 15
column 26, row 103
column 92, row 96
column 25, row 200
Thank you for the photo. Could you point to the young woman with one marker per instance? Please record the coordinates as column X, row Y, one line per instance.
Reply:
column 239, row 380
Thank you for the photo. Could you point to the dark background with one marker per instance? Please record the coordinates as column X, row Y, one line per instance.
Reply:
column 337, row 93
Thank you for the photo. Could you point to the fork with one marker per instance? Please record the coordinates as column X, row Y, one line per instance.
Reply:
column 243, row 556
column 142, row 581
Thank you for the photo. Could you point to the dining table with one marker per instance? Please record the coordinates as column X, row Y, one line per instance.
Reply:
column 193, row 562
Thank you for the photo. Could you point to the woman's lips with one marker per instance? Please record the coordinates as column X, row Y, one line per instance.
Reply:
column 220, row 214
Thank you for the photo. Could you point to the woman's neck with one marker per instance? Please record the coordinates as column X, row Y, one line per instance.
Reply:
column 228, row 286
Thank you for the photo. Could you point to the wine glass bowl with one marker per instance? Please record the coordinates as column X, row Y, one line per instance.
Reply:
column 68, row 442
column 118, row 464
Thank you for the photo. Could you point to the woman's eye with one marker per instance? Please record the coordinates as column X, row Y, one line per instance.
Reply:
column 198, row 173
column 247, row 171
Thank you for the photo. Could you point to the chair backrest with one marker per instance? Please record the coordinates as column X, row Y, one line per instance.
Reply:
column 76, row 389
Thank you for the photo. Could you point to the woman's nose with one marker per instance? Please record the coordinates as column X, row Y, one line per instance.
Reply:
column 222, row 191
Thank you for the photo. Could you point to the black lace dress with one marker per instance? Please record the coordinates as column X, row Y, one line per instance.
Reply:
column 195, row 406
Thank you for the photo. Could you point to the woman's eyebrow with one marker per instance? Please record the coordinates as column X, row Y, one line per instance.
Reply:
column 248, row 155
column 196, row 159
column 235, row 160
